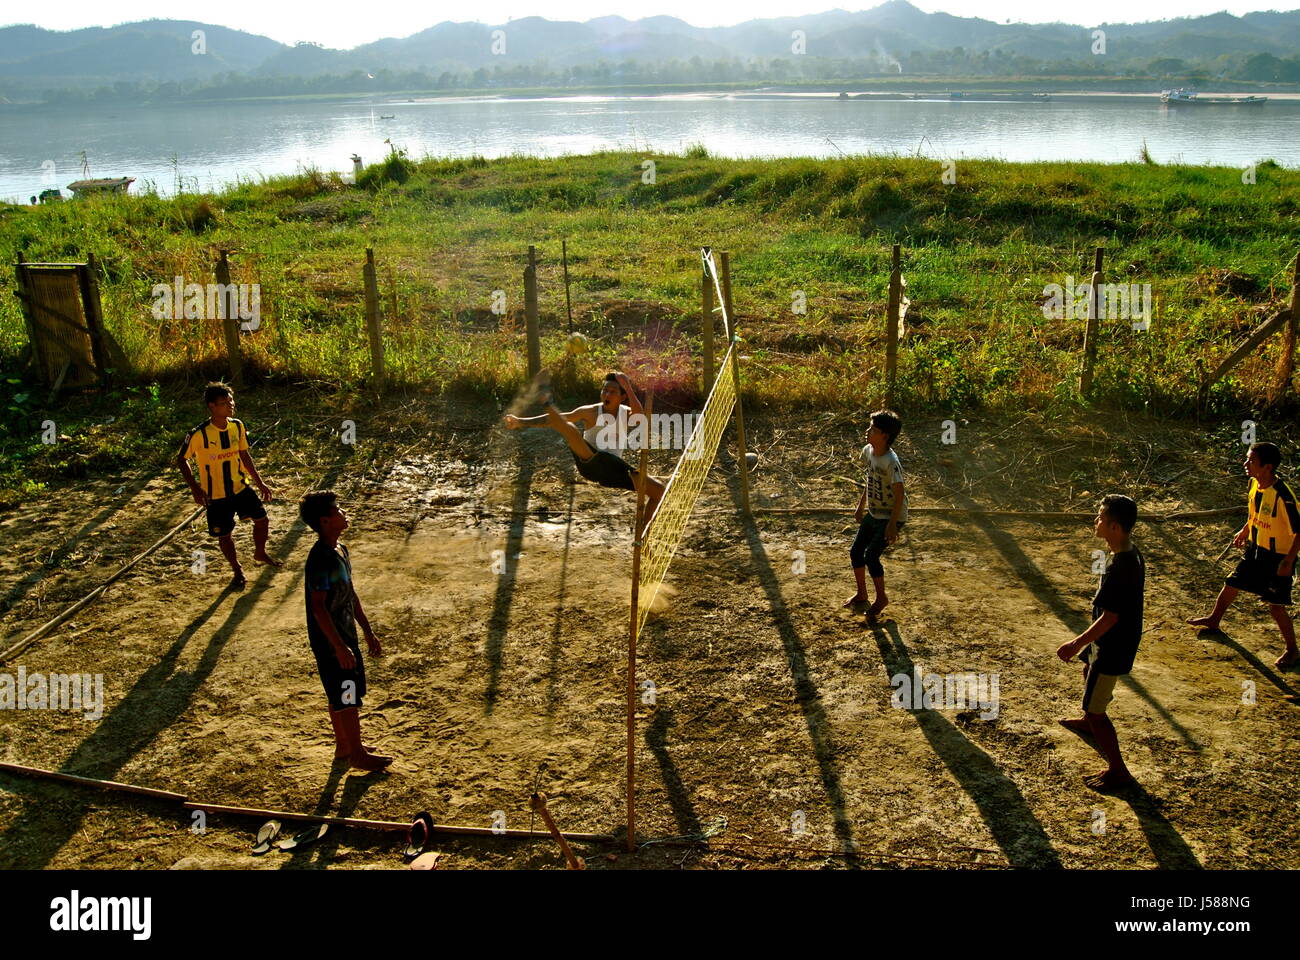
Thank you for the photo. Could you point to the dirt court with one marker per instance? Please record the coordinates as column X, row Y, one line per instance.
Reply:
column 499, row 584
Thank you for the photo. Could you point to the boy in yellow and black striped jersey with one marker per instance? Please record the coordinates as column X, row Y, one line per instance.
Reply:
column 1271, row 537
column 219, row 447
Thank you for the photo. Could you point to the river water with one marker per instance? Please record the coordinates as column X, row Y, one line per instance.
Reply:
column 208, row 145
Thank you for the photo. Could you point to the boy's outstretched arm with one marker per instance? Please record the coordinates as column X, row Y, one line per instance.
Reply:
column 247, row 459
column 518, row 423
column 1072, row 648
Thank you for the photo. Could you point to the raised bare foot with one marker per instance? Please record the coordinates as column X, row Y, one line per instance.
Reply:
column 266, row 559
column 1076, row 724
column 237, row 582
column 1109, row 780
column 1209, row 623
column 874, row 610
column 855, row 600
column 1289, row 656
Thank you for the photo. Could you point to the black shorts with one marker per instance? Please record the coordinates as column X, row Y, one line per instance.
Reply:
column 335, row 679
column 1257, row 573
column 607, row 470
column 221, row 513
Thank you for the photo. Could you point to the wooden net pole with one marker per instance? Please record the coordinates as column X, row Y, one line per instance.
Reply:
column 891, row 323
column 706, row 326
column 644, row 467
column 735, row 374
column 530, row 314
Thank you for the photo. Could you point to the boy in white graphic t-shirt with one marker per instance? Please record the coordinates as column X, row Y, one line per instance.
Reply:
column 881, row 512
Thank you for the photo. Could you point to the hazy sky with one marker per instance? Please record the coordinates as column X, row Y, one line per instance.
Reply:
column 347, row 24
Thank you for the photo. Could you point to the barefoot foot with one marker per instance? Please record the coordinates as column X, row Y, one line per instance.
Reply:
column 1209, row 623
column 1076, row 725
column 237, row 582
column 856, row 600
column 369, row 761
column 266, row 559
column 1109, row 780
column 1289, row 656
column 874, row 610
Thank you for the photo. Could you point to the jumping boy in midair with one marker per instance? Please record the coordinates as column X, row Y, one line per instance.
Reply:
column 1271, row 537
column 219, row 447
column 882, row 510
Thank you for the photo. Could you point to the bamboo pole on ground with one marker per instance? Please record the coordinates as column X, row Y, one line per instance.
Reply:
column 891, row 323
column 45, row 628
column 530, row 314
column 18, row 769
column 372, row 319
column 538, row 803
column 706, row 324
column 644, row 467
column 1091, row 328
column 230, row 322
column 735, row 374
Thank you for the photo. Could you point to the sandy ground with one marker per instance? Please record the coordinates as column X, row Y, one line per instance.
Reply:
column 500, row 589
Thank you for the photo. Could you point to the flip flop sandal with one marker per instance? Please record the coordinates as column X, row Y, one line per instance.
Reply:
column 426, row 861
column 266, row 836
column 419, row 834
column 304, row 838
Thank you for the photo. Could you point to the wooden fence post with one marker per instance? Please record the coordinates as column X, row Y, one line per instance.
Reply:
column 891, row 323
column 372, row 319
column 568, row 303
column 530, row 314
column 230, row 321
column 1090, row 328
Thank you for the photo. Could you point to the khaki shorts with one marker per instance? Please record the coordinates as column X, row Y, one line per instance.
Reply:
column 1098, row 691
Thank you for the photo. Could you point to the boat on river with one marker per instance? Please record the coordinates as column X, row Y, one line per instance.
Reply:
column 1182, row 96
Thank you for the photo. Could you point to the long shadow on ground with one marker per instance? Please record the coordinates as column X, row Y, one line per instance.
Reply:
column 155, row 702
column 1069, row 614
column 810, row 702
column 656, row 737
column 1013, row 825
column 499, row 620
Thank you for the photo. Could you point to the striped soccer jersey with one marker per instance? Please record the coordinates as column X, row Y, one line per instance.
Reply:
column 216, row 451
column 1274, row 521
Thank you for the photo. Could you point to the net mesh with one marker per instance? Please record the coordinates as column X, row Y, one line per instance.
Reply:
column 660, row 540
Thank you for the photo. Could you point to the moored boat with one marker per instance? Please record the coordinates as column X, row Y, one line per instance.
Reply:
column 1192, row 98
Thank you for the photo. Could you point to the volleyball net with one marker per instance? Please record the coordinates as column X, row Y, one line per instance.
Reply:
column 661, row 538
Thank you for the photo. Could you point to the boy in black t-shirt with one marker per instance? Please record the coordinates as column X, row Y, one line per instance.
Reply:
column 333, row 612
column 1109, row 646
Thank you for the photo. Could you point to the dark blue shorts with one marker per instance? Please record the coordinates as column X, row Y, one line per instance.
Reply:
column 335, row 679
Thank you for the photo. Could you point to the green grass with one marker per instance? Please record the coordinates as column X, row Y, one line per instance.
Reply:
column 977, row 255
